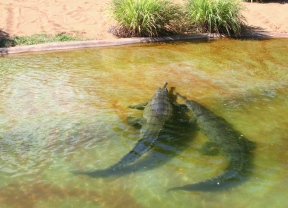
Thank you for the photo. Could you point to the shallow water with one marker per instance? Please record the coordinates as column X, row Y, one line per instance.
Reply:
column 63, row 111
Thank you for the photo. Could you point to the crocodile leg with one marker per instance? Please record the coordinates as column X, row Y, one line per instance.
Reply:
column 135, row 121
column 157, row 112
column 139, row 106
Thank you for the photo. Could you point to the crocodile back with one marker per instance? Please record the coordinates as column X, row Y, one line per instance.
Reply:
column 156, row 113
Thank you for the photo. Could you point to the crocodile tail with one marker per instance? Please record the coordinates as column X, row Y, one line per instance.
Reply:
column 236, row 172
column 228, row 179
column 141, row 147
column 120, row 167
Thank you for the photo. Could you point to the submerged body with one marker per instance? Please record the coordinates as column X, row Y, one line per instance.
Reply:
column 231, row 144
column 156, row 113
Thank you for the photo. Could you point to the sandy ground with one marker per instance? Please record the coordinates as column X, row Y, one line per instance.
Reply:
column 90, row 18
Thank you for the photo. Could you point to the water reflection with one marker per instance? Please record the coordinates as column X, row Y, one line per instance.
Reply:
column 37, row 193
column 61, row 111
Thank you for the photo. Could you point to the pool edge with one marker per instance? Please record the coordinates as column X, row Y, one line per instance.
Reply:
column 69, row 45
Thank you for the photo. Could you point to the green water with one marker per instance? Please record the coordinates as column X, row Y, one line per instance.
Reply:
column 62, row 111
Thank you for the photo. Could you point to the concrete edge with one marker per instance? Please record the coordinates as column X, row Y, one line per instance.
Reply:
column 125, row 41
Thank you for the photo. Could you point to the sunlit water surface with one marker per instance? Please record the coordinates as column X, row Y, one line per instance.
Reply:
column 63, row 111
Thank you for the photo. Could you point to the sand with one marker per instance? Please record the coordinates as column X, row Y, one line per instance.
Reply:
column 91, row 19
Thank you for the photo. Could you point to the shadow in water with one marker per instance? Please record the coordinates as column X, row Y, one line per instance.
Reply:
column 227, row 181
column 237, row 150
column 173, row 139
column 178, row 135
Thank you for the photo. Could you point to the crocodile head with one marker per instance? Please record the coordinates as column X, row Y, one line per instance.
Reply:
column 194, row 106
column 161, row 93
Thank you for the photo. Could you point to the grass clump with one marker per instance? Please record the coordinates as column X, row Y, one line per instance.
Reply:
column 146, row 18
column 44, row 38
column 215, row 16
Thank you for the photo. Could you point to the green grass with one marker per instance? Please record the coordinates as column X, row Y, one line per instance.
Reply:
column 146, row 18
column 44, row 38
column 38, row 39
column 215, row 16
column 151, row 18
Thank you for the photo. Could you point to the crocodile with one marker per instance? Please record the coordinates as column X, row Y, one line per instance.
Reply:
column 229, row 142
column 156, row 113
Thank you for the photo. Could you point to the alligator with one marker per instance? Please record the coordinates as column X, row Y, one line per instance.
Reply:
column 156, row 113
column 230, row 143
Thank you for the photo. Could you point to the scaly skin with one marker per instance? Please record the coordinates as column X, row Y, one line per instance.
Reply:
column 231, row 144
column 156, row 113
